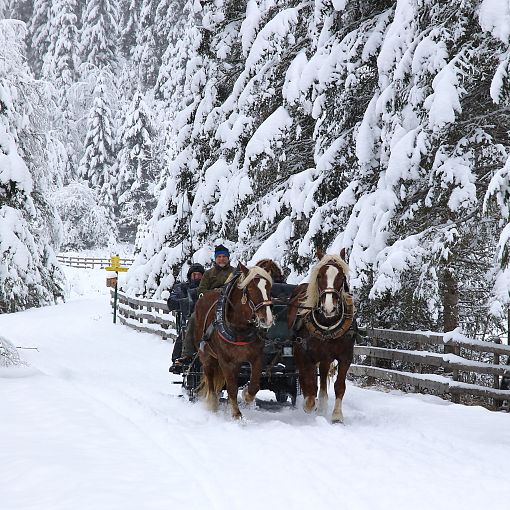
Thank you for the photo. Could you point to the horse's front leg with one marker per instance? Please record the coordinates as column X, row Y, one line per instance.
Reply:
column 338, row 416
column 307, row 378
column 231, row 373
column 324, row 367
column 254, row 384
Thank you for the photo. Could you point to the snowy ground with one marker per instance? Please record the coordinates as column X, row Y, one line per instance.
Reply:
column 94, row 422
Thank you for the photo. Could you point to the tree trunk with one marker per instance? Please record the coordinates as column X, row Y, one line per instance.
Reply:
column 450, row 302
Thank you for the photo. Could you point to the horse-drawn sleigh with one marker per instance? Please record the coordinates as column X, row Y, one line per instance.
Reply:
column 257, row 334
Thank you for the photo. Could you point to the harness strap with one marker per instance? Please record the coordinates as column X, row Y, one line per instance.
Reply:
column 269, row 302
column 336, row 333
column 220, row 323
column 329, row 290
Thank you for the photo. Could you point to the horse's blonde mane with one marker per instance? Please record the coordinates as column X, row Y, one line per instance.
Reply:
column 312, row 291
column 252, row 273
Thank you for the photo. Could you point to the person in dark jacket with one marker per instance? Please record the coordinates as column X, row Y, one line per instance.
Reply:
column 180, row 289
column 217, row 275
column 181, row 300
column 213, row 278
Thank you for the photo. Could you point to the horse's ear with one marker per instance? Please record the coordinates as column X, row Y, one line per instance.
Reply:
column 242, row 268
column 342, row 253
column 319, row 253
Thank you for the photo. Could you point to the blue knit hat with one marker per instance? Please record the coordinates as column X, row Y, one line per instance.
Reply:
column 221, row 250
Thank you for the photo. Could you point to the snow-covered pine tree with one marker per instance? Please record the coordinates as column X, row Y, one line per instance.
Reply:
column 60, row 68
column 136, row 168
column 169, row 243
column 98, row 37
column 61, row 60
column 97, row 164
column 169, row 89
column 39, row 30
column 129, row 13
column 267, row 128
column 129, row 19
column 171, row 75
column 86, row 221
column 29, row 272
column 375, row 126
column 146, row 54
column 434, row 251
column 20, row 9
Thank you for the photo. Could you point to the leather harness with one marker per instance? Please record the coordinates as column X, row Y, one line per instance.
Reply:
column 341, row 327
column 220, row 323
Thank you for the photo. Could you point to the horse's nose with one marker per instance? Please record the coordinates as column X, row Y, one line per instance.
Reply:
column 266, row 322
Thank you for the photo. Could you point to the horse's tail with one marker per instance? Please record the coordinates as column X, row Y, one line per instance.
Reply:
column 208, row 390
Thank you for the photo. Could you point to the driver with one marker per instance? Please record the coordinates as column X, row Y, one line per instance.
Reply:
column 213, row 278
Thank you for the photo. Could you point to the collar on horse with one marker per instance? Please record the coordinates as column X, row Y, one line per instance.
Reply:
column 338, row 329
column 220, row 322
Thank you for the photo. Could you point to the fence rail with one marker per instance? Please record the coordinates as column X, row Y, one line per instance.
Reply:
column 449, row 371
column 145, row 315
column 439, row 371
column 90, row 262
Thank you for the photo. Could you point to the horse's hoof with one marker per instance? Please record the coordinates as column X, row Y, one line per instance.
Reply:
column 335, row 421
column 309, row 405
column 249, row 399
column 322, row 408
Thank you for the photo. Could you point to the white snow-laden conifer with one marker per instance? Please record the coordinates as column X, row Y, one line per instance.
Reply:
column 99, row 34
column 18, row 9
column 86, row 222
column 61, row 59
column 149, row 45
column 29, row 272
column 98, row 163
column 39, row 33
column 168, row 242
column 129, row 11
column 374, row 126
column 136, row 167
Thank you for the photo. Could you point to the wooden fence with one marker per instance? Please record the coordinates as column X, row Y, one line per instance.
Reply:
column 413, row 361
column 442, row 364
column 145, row 315
column 90, row 262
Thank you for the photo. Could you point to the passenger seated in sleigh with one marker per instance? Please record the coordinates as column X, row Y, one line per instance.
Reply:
column 182, row 299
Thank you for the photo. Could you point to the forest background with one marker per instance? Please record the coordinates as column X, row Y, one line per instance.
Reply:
column 274, row 127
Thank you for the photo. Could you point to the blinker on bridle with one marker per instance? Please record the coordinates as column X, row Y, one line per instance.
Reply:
column 254, row 308
column 333, row 292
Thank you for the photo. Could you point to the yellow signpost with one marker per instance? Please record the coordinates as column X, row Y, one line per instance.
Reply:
column 115, row 266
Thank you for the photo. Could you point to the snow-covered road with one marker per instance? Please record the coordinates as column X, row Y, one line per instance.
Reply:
column 95, row 423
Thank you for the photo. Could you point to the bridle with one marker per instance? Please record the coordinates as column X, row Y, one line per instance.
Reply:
column 343, row 312
column 333, row 292
column 339, row 306
column 245, row 299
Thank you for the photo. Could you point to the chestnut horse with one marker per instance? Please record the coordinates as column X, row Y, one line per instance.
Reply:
column 234, row 319
column 320, row 314
column 273, row 268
